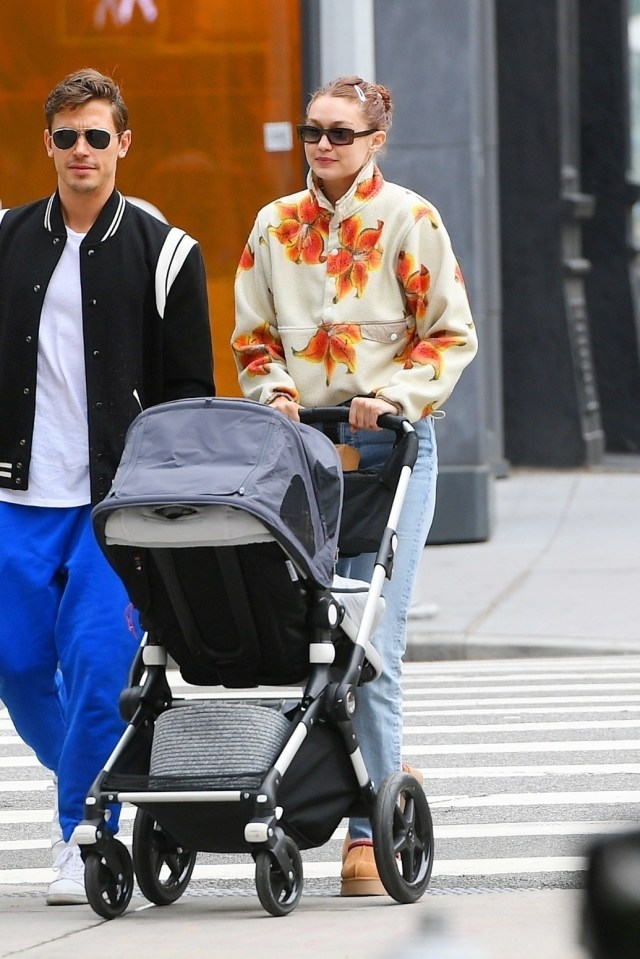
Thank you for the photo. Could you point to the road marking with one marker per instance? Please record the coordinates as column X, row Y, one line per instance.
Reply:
column 570, row 746
column 25, row 785
column 13, row 817
column 546, row 687
column 546, row 676
column 507, row 772
column 456, row 728
column 586, row 798
column 331, row 870
column 561, row 664
column 524, row 711
column 441, row 831
column 533, row 700
column 6, row 762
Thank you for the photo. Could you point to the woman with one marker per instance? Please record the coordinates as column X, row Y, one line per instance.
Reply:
column 350, row 291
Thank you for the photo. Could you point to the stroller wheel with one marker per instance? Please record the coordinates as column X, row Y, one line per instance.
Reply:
column 108, row 879
column 163, row 869
column 403, row 837
column 278, row 891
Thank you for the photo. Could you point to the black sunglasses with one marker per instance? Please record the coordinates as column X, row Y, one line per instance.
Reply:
column 337, row 136
column 65, row 138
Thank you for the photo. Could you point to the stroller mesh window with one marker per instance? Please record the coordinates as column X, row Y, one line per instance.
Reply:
column 295, row 513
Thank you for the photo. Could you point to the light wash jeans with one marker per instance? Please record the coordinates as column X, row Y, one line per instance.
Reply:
column 378, row 718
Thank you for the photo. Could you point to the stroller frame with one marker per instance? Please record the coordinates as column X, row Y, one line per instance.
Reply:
column 255, row 817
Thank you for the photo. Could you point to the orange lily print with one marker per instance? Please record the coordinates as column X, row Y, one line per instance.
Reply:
column 430, row 352
column 359, row 253
column 302, row 230
column 424, row 210
column 257, row 349
column 247, row 260
column 371, row 187
column 416, row 284
column 331, row 345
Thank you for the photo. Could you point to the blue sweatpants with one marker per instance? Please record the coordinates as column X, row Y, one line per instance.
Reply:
column 62, row 605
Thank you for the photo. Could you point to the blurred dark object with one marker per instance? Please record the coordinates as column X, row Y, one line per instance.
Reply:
column 611, row 918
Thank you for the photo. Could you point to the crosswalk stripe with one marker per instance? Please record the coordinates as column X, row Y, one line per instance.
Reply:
column 8, row 762
column 523, row 727
column 572, row 665
column 441, row 832
column 12, row 817
column 20, row 785
column 417, row 676
column 524, row 700
column 444, row 772
column 595, row 687
column 586, row 798
column 331, row 870
column 597, row 745
column 521, row 711
column 512, row 772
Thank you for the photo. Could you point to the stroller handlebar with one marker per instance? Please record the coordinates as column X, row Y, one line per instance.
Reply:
column 340, row 414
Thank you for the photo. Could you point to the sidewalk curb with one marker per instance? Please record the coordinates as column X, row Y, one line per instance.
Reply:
column 438, row 647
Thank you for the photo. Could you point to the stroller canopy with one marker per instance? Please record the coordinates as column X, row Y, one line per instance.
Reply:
column 238, row 454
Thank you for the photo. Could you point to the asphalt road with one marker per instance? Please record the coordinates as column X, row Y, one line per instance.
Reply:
column 525, row 761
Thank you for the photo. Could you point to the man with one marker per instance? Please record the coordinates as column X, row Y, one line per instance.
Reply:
column 103, row 311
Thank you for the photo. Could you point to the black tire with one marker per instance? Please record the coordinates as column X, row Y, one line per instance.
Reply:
column 279, row 893
column 403, row 837
column 108, row 880
column 163, row 869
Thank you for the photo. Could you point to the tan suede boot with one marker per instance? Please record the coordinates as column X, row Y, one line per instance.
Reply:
column 359, row 871
column 406, row 768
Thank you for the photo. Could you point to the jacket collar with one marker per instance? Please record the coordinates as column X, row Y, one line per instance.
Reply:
column 108, row 222
column 355, row 196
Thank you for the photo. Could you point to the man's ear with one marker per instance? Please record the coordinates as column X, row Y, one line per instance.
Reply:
column 48, row 143
column 125, row 143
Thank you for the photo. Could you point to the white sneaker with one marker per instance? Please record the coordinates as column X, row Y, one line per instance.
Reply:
column 68, row 888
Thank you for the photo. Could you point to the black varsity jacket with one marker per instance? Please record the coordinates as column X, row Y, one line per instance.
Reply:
column 145, row 317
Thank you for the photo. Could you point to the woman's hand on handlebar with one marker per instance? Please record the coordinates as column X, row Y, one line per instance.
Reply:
column 365, row 410
column 289, row 407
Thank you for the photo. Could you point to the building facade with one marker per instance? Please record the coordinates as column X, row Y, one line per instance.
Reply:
column 519, row 121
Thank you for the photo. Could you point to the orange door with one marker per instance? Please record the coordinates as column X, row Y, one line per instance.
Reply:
column 213, row 89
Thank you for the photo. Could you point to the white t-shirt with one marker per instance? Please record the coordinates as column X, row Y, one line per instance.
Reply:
column 59, row 469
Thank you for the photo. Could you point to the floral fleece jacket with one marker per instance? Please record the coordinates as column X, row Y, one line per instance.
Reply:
column 364, row 298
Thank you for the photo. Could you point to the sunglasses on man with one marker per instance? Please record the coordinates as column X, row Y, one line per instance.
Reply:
column 66, row 137
column 337, row 136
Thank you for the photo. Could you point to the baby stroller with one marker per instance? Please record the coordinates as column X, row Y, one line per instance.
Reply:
column 223, row 522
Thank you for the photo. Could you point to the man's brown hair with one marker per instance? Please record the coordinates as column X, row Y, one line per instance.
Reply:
column 82, row 86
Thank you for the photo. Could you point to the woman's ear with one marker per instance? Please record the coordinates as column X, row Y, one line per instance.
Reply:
column 379, row 139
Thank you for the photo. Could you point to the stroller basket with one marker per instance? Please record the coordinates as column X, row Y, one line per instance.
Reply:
column 237, row 742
